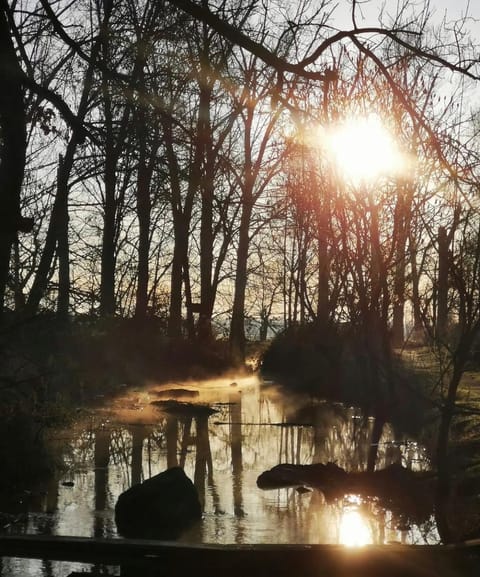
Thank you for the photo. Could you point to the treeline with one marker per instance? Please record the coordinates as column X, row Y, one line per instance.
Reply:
column 158, row 160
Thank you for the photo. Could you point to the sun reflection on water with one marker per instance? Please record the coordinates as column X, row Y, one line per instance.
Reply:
column 354, row 530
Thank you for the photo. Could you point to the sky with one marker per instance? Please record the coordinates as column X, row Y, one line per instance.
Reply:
column 452, row 9
column 456, row 9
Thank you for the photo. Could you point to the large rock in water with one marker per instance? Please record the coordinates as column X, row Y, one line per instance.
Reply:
column 159, row 508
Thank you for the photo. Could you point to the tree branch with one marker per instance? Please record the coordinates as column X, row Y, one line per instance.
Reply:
column 233, row 34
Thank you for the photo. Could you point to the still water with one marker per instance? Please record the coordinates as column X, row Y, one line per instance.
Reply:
column 254, row 428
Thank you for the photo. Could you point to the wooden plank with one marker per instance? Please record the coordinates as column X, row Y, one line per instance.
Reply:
column 172, row 559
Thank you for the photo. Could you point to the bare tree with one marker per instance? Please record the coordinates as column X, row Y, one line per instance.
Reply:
column 13, row 147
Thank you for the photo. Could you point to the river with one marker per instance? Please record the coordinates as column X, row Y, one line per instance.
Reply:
column 254, row 428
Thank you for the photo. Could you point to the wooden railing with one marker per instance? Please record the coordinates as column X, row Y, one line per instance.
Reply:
column 171, row 559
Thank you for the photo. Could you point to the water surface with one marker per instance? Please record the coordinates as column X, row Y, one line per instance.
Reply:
column 254, row 428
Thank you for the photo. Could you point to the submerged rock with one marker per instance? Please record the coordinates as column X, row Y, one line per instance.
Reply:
column 407, row 493
column 175, row 393
column 161, row 507
column 184, row 409
column 328, row 477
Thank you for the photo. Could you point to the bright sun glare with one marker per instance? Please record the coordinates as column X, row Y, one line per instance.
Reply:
column 353, row 530
column 363, row 149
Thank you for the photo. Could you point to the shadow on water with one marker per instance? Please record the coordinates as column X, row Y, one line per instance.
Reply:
column 251, row 429
column 27, row 469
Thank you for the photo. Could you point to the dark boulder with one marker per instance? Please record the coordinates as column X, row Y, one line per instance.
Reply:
column 161, row 507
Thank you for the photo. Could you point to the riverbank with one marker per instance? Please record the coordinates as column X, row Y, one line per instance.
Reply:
column 52, row 374
column 43, row 361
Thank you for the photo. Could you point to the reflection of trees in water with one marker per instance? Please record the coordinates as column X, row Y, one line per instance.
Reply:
column 101, row 458
column 101, row 462
column 171, row 436
column 291, row 444
column 203, row 457
column 265, row 439
column 293, row 513
column 80, row 453
column 225, row 453
column 138, row 435
column 120, row 453
column 235, row 415
column 341, row 435
column 319, row 433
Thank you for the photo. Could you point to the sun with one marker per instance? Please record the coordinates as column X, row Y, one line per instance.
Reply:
column 363, row 149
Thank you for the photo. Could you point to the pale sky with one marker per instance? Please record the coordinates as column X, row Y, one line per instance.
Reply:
column 458, row 7
column 453, row 9
column 450, row 10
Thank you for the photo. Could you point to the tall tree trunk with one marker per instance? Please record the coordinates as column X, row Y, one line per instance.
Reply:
column 56, row 227
column 113, row 147
column 12, row 148
column 181, row 222
column 180, row 273
column 323, row 216
column 442, row 285
column 402, row 225
column 374, row 442
column 176, row 281
column 63, row 250
column 204, row 328
column 302, row 273
column 398, row 331
column 188, row 299
column 249, row 197
column 418, row 329
column 237, row 327
column 107, row 267
column 143, row 214
column 107, row 270
column 323, row 301
column 19, row 297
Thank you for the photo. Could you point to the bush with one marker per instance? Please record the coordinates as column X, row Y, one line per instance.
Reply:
column 334, row 363
column 307, row 357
